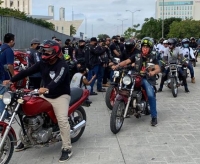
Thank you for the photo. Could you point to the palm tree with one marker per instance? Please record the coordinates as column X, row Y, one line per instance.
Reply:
column 72, row 30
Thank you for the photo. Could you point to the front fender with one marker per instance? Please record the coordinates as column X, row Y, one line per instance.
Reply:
column 3, row 126
column 122, row 98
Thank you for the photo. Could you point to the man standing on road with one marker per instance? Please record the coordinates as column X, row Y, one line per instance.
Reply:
column 6, row 58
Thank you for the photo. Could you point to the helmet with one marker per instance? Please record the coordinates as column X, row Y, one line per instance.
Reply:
column 129, row 45
column 185, row 43
column 50, row 45
column 172, row 41
column 192, row 38
column 165, row 42
column 147, row 41
column 161, row 40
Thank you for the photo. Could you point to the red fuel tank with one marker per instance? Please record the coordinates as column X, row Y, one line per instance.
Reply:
column 36, row 105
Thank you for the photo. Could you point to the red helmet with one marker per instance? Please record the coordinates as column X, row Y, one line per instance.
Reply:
column 50, row 45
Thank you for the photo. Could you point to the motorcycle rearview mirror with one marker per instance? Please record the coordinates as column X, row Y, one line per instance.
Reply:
column 117, row 60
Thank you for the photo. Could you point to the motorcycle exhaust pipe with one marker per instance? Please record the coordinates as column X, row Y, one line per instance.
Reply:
column 77, row 127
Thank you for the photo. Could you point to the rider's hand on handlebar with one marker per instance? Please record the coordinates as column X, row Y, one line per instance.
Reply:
column 6, row 82
column 43, row 90
column 151, row 73
column 114, row 67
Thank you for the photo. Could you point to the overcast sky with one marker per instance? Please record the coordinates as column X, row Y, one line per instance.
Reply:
column 102, row 14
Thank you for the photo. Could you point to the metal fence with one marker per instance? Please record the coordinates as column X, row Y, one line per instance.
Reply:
column 24, row 32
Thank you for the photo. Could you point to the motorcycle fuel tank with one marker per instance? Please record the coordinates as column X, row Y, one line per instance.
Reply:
column 35, row 105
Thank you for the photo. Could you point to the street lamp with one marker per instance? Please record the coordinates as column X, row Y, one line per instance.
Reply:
column 122, row 23
column 133, row 15
column 163, row 20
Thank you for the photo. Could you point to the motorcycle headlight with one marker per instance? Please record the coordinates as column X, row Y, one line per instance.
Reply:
column 126, row 80
column 116, row 73
column 7, row 98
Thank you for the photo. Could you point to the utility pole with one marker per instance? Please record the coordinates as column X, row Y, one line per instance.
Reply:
column 72, row 14
column 133, row 15
column 92, row 30
column 163, row 21
column 122, row 24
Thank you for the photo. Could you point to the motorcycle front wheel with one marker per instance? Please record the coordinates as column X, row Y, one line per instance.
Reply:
column 8, row 148
column 117, row 116
column 111, row 94
column 79, row 115
column 174, row 87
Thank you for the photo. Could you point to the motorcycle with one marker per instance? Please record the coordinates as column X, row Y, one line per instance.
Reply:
column 39, row 126
column 112, row 90
column 131, row 99
column 174, row 80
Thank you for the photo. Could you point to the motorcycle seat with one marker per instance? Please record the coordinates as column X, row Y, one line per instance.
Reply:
column 76, row 94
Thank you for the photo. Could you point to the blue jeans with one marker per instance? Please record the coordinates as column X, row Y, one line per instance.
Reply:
column 190, row 67
column 2, row 105
column 151, row 97
column 111, row 75
column 92, row 72
column 100, row 77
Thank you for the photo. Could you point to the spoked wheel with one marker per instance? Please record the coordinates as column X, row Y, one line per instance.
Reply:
column 8, row 148
column 117, row 118
column 79, row 115
column 111, row 94
column 174, row 87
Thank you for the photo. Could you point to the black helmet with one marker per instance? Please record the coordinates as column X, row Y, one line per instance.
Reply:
column 129, row 45
column 192, row 38
column 172, row 41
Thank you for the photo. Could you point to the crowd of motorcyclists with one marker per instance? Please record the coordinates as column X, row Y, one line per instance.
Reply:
column 81, row 64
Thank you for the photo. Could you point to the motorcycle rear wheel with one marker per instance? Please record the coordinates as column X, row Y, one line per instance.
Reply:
column 7, row 152
column 80, row 116
column 117, row 116
column 110, row 96
column 174, row 87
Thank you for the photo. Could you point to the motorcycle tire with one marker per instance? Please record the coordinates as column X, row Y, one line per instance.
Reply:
column 115, row 126
column 10, row 148
column 110, row 96
column 80, row 110
column 174, row 87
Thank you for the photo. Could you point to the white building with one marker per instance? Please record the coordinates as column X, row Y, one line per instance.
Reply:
column 178, row 9
column 21, row 5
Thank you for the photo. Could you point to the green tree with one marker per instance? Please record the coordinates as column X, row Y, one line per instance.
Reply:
column 23, row 16
column 130, row 32
column 72, row 30
column 184, row 29
column 103, row 36
column 1, row 2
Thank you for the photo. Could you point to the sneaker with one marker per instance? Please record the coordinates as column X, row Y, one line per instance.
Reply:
column 20, row 147
column 159, row 90
column 187, row 90
column 66, row 154
column 193, row 80
column 106, row 85
column 154, row 122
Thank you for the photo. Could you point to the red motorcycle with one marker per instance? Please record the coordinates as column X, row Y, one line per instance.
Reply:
column 131, row 99
column 38, row 122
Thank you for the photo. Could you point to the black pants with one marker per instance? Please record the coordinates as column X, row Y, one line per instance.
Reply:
column 34, row 82
column 106, row 75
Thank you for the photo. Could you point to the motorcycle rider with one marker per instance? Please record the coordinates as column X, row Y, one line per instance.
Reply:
column 34, row 57
column 193, row 44
column 79, row 54
column 172, row 53
column 55, row 74
column 147, row 84
column 6, row 58
column 186, row 50
column 130, row 49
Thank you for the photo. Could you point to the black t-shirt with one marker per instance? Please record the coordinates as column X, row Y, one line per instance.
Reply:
column 140, row 65
column 125, row 55
column 121, row 45
column 55, row 77
column 70, row 50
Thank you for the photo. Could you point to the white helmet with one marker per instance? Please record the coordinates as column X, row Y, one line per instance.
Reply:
column 165, row 42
